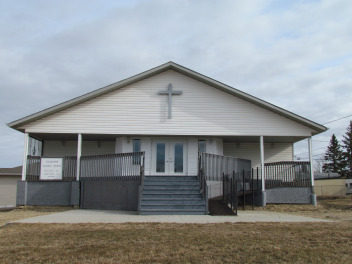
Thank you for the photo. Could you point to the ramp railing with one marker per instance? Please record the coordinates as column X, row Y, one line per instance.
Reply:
column 287, row 174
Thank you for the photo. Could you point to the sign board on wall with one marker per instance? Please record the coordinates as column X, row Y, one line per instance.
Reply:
column 51, row 169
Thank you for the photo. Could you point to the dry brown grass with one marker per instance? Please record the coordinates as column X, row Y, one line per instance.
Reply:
column 23, row 212
column 332, row 208
column 182, row 243
column 177, row 243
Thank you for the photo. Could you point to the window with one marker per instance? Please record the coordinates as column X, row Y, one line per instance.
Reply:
column 136, row 148
column 136, row 145
column 201, row 145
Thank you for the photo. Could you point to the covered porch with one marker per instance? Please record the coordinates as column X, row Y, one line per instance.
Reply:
column 96, row 158
column 179, row 152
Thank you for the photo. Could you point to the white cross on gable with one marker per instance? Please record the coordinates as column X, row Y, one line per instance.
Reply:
column 170, row 93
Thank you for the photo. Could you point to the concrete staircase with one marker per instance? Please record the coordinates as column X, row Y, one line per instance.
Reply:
column 172, row 195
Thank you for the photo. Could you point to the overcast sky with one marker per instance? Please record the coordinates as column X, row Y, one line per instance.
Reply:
column 294, row 54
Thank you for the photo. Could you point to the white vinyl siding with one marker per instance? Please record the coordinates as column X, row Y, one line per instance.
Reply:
column 192, row 155
column 139, row 109
column 214, row 145
column 146, row 146
column 272, row 152
column 57, row 148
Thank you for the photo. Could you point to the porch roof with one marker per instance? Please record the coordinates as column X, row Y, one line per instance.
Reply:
column 112, row 137
column 316, row 128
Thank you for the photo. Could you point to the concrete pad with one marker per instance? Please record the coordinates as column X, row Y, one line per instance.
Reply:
column 105, row 216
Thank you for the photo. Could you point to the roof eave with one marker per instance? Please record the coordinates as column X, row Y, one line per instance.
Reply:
column 169, row 65
column 83, row 98
column 253, row 99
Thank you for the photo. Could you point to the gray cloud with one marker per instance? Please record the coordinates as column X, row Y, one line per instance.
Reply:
column 296, row 55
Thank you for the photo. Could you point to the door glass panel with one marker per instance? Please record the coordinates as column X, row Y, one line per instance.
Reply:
column 178, row 164
column 160, row 157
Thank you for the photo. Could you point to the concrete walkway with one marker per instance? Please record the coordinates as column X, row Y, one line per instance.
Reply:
column 100, row 216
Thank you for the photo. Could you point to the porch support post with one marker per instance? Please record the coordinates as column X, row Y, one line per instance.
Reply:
column 25, row 154
column 313, row 197
column 262, row 171
column 79, row 152
column 262, row 162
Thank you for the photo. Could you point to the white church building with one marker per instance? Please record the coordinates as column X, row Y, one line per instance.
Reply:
column 130, row 144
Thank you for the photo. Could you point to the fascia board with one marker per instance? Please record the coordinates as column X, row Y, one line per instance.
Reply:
column 83, row 98
column 156, row 70
column 253, row 99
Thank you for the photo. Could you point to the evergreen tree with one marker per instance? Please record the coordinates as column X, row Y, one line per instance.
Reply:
column 347, row 153
column 333, row 157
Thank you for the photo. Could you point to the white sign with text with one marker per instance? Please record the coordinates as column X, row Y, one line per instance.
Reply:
column 51, row 169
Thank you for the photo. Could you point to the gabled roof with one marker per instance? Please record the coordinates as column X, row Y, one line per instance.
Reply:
column 16, row 171
column 164, row 67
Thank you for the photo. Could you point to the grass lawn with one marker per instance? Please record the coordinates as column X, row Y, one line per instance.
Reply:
column 23, row 212
column 177, row 243
column 335, row 208
column 183, row 243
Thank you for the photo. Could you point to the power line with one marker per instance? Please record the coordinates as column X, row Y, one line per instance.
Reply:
column 337, row 119
column 308, row 151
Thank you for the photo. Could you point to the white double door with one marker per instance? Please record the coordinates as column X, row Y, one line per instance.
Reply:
column 169, row 157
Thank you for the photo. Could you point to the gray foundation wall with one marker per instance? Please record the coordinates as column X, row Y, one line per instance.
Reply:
column 45, row 193
column 110, row 195
column 290, row 195
column 297, row 195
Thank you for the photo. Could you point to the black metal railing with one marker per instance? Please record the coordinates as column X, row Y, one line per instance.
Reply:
column 229, row 192
column 127, row 166
column 234, row 173
column 69, row 168
column 202, row 181
column 243, row 184
column 287, row 174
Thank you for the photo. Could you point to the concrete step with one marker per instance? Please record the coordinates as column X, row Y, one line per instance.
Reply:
column 170, row 187
column 170, row 195
column 172, row 212
column 167, row 201
column 170, row 178
column 172, row 206
column 171, row 183
column 170, row 191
